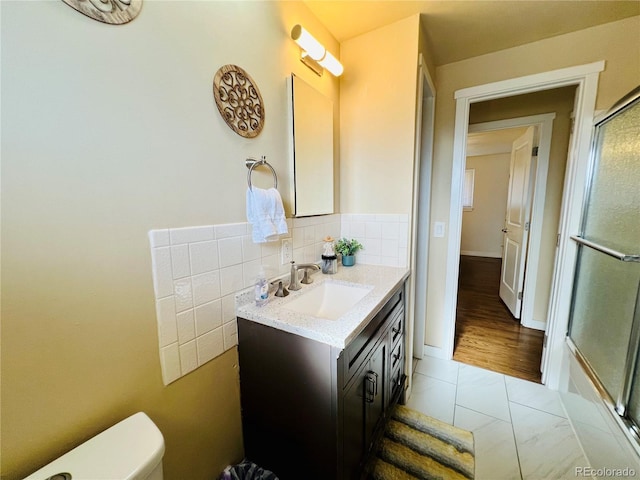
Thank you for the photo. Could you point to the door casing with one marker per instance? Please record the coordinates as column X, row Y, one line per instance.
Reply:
column 420, row 217
column 585, row 77
column 544, row 122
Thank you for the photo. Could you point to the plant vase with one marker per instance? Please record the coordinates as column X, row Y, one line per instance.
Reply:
column 348, row 248
column 348, row 260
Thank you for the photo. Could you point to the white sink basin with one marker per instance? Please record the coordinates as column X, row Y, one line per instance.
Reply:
column 329, row 300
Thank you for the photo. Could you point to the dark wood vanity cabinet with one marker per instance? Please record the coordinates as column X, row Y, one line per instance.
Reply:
column 313, row 411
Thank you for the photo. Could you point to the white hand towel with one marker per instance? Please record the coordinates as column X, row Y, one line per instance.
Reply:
column 266, row 214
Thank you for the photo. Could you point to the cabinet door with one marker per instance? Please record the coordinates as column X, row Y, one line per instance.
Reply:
column 375, row 391
column 354, row 406
column 363, row 406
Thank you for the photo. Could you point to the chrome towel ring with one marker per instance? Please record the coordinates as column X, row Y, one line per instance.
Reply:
column 252, row 163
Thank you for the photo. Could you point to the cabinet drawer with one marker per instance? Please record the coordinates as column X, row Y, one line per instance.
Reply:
column 360, row 347
column 397, row 328
column 397, row 381
column 397, row 355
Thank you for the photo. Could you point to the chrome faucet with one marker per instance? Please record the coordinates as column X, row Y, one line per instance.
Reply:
column 294, row 283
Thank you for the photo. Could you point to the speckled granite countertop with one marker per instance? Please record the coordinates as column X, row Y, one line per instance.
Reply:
column 338, row 333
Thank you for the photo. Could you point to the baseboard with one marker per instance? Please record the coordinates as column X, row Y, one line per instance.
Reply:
column 535, row 324
column 435, row 352
column 473, row 253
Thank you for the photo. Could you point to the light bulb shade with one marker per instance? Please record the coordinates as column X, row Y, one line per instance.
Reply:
column 306, row 41
column 332, row 64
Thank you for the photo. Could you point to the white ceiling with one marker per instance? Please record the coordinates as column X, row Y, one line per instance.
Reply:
column 494, row 142
column 460, row 29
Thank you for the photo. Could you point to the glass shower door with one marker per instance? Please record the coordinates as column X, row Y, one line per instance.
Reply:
column 605, row 316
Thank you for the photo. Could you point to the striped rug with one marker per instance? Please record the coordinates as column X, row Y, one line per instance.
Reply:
column 416, row 446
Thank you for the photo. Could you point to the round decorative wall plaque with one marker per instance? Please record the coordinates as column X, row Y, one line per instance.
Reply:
column 238, row 100
column 115, row 12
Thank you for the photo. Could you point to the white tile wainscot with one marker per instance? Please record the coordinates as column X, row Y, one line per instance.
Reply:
column 197, row 272
column 385, row 237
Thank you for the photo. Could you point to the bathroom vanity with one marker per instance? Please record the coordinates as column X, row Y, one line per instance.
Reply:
column 315, row 392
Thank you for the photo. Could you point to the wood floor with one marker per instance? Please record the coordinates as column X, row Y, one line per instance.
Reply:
column 487, row 335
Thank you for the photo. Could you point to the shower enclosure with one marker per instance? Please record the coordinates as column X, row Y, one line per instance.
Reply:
column 604, row 329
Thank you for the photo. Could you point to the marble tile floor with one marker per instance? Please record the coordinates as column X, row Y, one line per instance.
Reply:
column 520, row 428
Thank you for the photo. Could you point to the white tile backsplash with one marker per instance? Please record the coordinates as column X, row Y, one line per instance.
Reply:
column 190, row 235
column 183, row 295
column 198, row 270
column 231, row 230
column 230, row 251
column 230, row 335
column 186, row 327
column 203, row 256
column 159, row 238
column 206, row 287
column 231, row 279
column 298, row 237
column 180, row 263
column 229, row 308
column 162, row 275
column 210, row 345
column 309, row 235
column 188, row 357
column 385, row 237
column 170, row 362
column 167, row 324
column 250, row 250
column 208, row 317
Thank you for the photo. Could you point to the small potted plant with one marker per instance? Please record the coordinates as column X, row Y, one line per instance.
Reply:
column 348, row 249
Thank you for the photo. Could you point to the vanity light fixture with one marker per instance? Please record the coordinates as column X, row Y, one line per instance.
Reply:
column 313, row 54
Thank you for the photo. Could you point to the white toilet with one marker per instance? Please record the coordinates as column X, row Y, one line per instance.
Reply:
column 130, row 450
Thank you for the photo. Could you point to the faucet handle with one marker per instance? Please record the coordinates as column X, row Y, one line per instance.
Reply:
column 306, row 278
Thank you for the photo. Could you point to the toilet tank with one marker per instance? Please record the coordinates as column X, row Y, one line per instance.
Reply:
column 130, row 450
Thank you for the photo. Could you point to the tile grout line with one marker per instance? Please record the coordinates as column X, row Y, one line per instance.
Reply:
column 455, row 402
column 513, row 431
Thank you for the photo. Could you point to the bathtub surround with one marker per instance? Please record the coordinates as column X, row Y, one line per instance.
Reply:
column 197, row 271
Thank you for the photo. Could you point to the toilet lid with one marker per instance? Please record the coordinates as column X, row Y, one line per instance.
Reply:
column 129, row 450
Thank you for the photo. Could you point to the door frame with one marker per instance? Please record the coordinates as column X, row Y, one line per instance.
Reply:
column 544, row 123
column 421, row 212
column 585, row 77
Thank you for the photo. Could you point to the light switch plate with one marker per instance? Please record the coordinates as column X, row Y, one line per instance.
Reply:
column 438, row 229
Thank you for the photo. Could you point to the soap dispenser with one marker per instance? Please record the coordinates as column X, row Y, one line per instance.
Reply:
column 329, row 258
column 261, row 288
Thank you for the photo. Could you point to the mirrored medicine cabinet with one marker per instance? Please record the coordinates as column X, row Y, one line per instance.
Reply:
column 310, row 149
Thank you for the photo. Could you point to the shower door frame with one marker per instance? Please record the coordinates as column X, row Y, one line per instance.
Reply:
column 618, row 405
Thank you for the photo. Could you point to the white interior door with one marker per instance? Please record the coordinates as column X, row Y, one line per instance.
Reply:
column 516, row 225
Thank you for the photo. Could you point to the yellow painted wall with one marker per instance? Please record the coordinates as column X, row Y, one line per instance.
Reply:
column 617, row 43
column 377, row 118
column 481, row 226
column 109, row 132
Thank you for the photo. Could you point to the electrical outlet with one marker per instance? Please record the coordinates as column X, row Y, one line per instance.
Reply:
column 286, row 254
